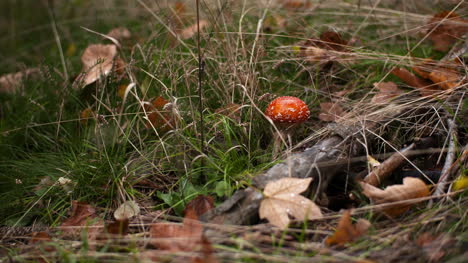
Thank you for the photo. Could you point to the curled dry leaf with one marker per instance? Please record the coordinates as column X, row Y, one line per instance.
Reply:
column 442, row 74
column 97, row 60
column 10, row 82
column 119, row 33
column 347, row 232
column 425, row 87
column 190, row 31
column 127, row 210
column 330, row 111
column 410, row 189
column 200, row 205
column 445, row 28
column 160, row 115
column 387, row 91
column 282, row 199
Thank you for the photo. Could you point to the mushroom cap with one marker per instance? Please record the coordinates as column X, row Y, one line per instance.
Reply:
column 287, row 109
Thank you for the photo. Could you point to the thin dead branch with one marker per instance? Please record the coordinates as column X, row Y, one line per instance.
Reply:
column 381, row 172
column 441, row 185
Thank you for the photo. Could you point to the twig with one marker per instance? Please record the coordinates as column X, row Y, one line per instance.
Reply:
column 200, row 92
column 460, row 162
column 376, row 176
column 441, row 185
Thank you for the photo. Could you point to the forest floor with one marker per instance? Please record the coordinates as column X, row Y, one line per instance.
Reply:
column 128, row 135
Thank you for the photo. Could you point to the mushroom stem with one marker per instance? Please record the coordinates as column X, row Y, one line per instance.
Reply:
column 283, row 136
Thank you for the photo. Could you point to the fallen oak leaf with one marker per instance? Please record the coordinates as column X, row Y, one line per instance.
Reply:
column 282, row 199
column 410, row 189
column 346, row 232
column 387, row 91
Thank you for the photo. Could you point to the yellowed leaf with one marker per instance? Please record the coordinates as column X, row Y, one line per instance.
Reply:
column 410, row 189
column 372, row 161
column 282, row 199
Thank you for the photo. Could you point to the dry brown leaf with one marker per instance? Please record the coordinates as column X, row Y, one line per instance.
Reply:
column 86, row 115
column 446, row 79
column 330, row 111
column 410, row 189
column 347, row 232
column 159, row 115
column 424, row 87
column 39, row 237
column 192, row 30
column 387, row 91
column 296, row 4
column 83, row 217
column 185, row 237
column 97, row 60
column 119, row 33
column 445, row 28
column 282, row 199
column 200, row 205
column 10, row 82
column 442, row 74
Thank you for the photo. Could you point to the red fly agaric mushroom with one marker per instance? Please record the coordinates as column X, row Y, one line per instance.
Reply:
column 286, row 113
